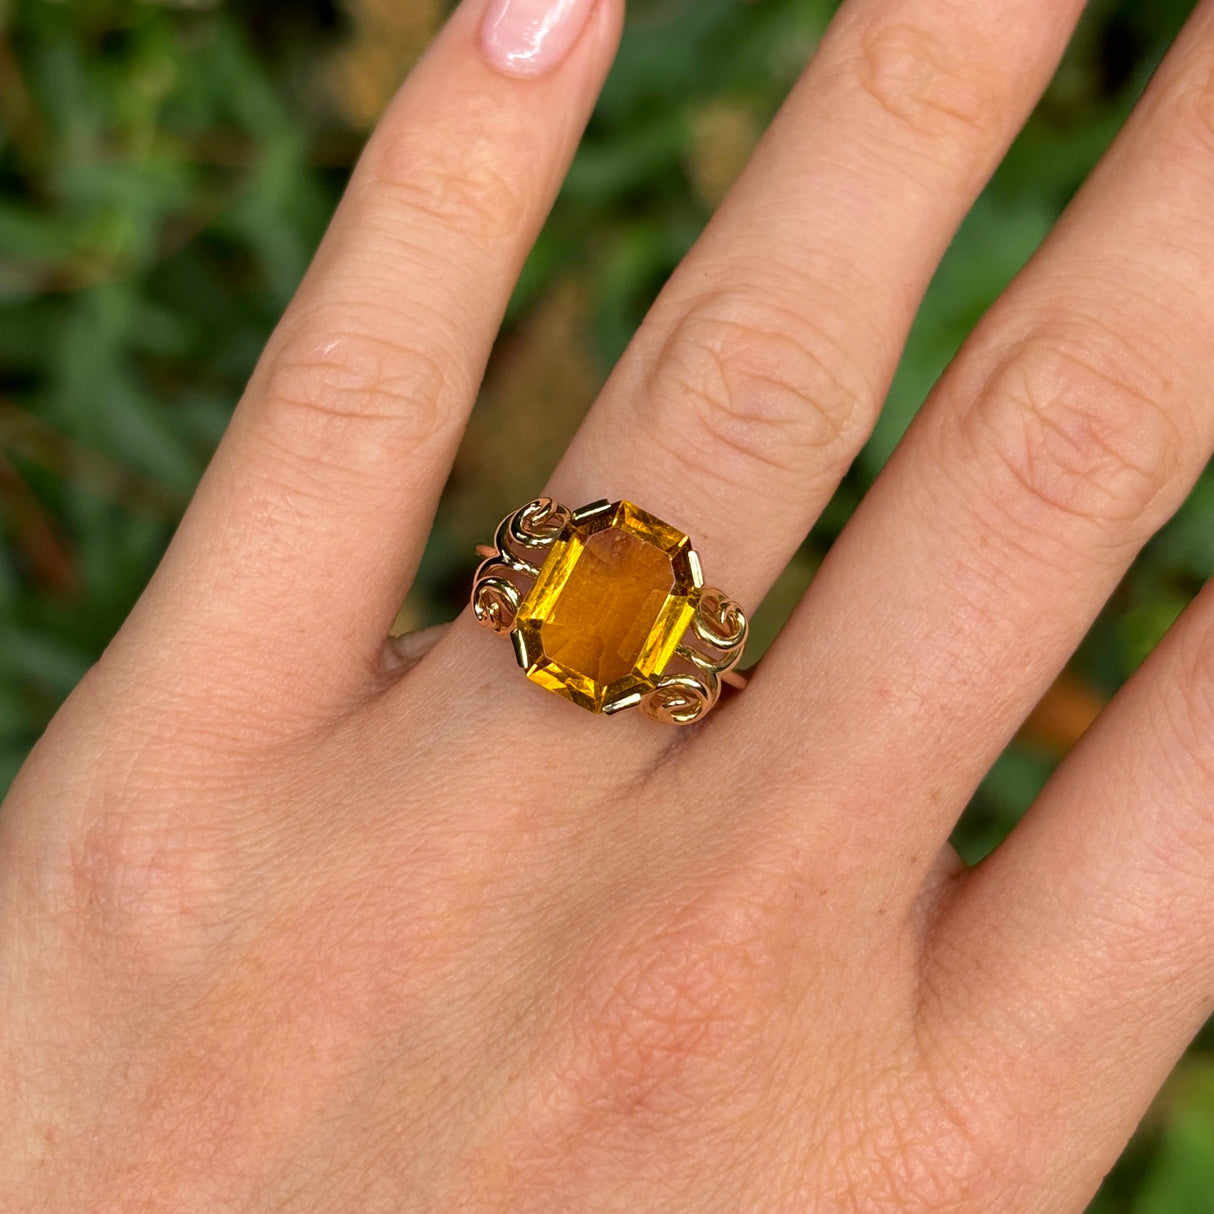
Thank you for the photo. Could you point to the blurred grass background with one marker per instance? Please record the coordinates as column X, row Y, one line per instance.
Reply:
column 166, row 169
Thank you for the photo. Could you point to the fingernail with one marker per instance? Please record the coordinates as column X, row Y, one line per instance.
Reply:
column 530, row 37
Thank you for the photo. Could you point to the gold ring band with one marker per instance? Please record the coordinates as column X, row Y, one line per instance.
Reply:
column 607, row 607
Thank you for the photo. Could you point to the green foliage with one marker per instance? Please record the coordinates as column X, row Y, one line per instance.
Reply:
column 159, row 204
column 166, row 170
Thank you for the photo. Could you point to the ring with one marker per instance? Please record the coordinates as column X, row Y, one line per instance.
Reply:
column 614, row 598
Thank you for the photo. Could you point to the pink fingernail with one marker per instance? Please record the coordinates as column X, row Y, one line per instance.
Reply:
column 530, row 37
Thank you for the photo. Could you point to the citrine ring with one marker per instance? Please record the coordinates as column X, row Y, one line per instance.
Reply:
column 607, row 607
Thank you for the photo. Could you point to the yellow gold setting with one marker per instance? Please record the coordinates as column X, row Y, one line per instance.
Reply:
column 614, row 596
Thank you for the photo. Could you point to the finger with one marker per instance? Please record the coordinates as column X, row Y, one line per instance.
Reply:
column 404, row 652
column 298, row 547
column 1068, row 429
column 761, row 368
column 762, row 365
column 1093, row 924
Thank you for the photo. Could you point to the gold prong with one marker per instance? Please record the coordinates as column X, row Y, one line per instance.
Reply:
column 586, row 512
column 521, row 654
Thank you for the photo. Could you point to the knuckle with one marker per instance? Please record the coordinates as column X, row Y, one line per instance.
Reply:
column 742, row 388
column 328, row 385
column 456, row 185
column 935, row 1135
column 1080, row 428
column 941, row 1158
column 140, row 887
column 937, row 90
column 668, row 1017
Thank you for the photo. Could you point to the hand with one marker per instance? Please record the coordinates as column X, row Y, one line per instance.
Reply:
column 296, row 920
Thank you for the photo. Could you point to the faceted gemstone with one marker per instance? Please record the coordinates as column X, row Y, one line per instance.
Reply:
column 599, row 623
column 611, row 603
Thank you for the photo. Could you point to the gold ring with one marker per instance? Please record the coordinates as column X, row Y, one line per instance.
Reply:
column 604, row 606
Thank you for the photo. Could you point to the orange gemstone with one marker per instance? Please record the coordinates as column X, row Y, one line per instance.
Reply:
column 610, row 605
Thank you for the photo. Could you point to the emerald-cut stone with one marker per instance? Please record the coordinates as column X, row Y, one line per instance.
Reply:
column 611, row 603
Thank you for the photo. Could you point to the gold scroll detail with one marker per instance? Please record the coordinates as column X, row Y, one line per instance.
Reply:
column 520, row 536
column 684, row 696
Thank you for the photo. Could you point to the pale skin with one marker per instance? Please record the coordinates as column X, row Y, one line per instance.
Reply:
column 295, row 920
